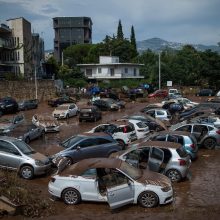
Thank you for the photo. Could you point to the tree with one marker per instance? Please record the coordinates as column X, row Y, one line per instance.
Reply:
column 133, row 39
column 120, row 35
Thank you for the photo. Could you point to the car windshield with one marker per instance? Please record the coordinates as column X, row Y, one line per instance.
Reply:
column 23, row 147
column 131, row 171
column 86, row 110
column 71, row 141
column 62, row 107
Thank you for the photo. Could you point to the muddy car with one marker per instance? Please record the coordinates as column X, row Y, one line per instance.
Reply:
column 113, row 181
column 27, row 104
column 167, row 158
column 90, row 113
column 60, row 101
column 17, row 155
column 65, row 111
column 47, row 122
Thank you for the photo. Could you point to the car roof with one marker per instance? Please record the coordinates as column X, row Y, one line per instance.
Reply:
column 185, row 133
column 97, row 134
column 7, row 138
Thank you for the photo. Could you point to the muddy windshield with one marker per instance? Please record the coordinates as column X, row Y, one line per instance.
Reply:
column 131, row 171
column 24, row 148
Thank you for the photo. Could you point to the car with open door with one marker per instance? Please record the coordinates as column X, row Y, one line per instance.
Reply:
column 110, row 180
column 167, row 158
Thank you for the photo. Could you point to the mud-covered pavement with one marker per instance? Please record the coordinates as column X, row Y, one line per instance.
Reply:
column 196, row 198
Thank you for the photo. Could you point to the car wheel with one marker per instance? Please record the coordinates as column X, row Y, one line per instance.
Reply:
column 122, row 144
column 71, row 196
column 27, row 140
column 174, row 175
column 27, row 172
column 209, row 143
column 148, row 199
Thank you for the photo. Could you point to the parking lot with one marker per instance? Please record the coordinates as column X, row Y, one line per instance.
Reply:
column 198, row 197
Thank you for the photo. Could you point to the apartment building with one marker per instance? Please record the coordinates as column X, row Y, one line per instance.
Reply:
column 70, row 31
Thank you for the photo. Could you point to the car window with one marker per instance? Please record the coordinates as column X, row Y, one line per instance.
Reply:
column 181, row 151
column 71, row 141
column 160, row 138
column 141, row 125
column 160, row 113
column 100, row 141
column 90, row 173
column 185, row 128
column 200, row 128
column 133, row 155
column 8, row 148
column 172, row 139
column 23, row 147
column 87, row 143
column 157, row 154
column 101, row 128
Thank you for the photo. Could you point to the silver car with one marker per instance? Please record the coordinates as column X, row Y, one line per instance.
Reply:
column 110, row 180
column 17, row 155
column 165, row 157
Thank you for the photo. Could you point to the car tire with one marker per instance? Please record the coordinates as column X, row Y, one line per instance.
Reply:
column 174, row 175
column 27, row 140
column 27, row 172
column 71, row 196
column 209, row 143
column 121, row 143
column 148, row 199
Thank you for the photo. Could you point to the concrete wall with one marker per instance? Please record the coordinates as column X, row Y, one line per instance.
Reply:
column 26, row 89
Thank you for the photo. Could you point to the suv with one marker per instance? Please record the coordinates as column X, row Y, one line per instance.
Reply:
column 8, row 105
column 165, row 157
column 186, row 139
column 90, row 113
column 207, row 136
column 86, row 145
column 123, row 132
column 106, row 104
column 17, row 155
column 205, row 92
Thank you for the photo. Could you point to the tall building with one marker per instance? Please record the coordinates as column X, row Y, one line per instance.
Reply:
column 69, row 31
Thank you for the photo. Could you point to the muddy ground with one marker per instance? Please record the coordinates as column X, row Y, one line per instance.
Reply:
column 196, row 198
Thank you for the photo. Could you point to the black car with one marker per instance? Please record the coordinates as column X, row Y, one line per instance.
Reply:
column 60, row 101
column 86, row 145
column 90, row 113
column 205, row 92
column 28, row 104
column 8, row 105
column 106, row 104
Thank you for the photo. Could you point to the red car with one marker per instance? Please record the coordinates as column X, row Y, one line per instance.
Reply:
column 158, row 93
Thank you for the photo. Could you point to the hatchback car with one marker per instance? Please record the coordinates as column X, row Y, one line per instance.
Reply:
column 8, row 105
column 158, row 113
column 106, row 104
column 207, row 136
column 27, row 104
column 86, row 145
column 123, row 132
column 65, row 111
column 186, row 139
column 90, row 113
column 205, row 92
column 60, row 101
column 110, row 180
column 167, row 158
column 17, row 155
column 158, row 94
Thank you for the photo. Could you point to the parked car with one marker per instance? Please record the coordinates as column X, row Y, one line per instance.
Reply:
column 106, row 105
column 172, row 91
column 47, row 122
column 207, row 119
column 158, row 94
column 65, row 111
column 205, row 92
column 27, row 104
column 187, row 103
column 207, row 136
column 86, row 145
column 90, row 113
column 8, row 105
column 7, row 124
column 113, row 181
column 167, row 158
column 152, row 123
column 123, row 132
column 158, row 113
column 151, row 106
column 60, row 101
column 173, row 107
column 186, row 139
column 17, row 155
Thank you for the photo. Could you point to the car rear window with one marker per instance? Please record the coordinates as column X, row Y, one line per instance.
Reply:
column 86, row 110
column 181, row 151
column 141, row 125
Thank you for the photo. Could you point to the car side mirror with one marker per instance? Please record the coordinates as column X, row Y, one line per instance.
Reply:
column 78, row 147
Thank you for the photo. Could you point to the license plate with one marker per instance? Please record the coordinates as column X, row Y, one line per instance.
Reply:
column 85, row 115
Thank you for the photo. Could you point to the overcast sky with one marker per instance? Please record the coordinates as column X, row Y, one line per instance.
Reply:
column 183, row 21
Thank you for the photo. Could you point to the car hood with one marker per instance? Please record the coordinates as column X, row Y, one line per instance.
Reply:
column 38, row 156
column 59, row 111
column 153, row 178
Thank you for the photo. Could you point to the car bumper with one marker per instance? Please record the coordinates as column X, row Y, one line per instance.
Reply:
column 53, row 190
column 52, row 129
column 166, row 197
column 39, row 170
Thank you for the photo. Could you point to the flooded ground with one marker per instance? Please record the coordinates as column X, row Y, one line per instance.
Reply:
column 196, row 198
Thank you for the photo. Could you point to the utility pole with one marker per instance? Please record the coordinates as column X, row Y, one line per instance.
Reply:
column 35, row 81
column 159, row 73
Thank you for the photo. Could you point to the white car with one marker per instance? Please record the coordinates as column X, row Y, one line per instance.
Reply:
column 158, row 113
column 65, row 111
column 187, row 103
column 123, row 132
column 110, row 180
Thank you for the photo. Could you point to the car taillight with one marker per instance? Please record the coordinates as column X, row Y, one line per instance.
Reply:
column 125, row 130
column 218, row 132
column 52, row 180
column 182, row 162
column 193, row 146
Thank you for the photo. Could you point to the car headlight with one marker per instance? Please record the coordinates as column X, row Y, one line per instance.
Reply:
column 166, row 188
column 39, row 163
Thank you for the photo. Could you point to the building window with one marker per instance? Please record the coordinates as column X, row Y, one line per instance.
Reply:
column 99, row 70
column 135, row 72
column 18, row 55
column 112, row 72
column 126, row 70
column 88, row 72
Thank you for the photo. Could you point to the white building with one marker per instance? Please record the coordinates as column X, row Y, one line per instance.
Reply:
column 109, row 67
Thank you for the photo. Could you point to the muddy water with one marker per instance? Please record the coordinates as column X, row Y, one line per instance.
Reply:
column 196, row 198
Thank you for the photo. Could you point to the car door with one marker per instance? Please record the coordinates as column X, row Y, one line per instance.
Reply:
column 9, row 155
column 199, row 131
column 120, row 190
column 156, row 157
column 72, row 110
